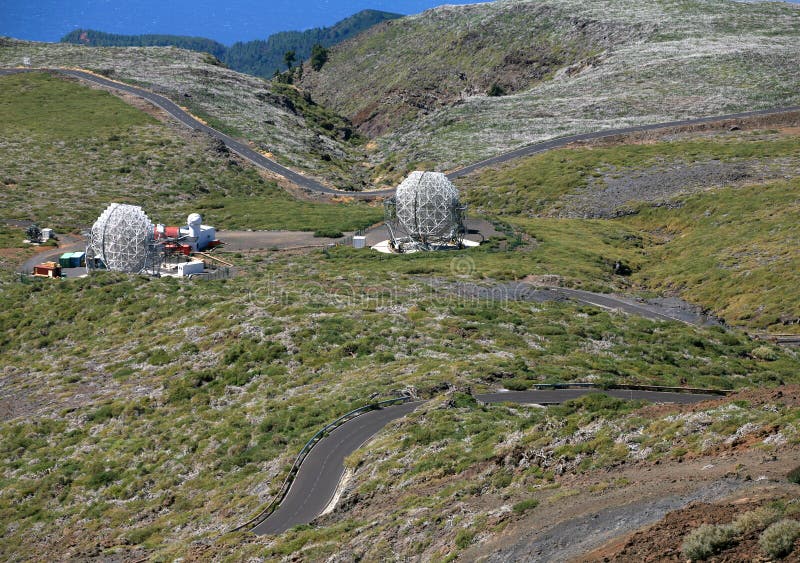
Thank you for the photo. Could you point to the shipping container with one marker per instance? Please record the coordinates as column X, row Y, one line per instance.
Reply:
column 64, row 259
column 78, row 259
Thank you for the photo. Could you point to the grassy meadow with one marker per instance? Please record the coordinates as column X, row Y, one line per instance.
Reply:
column 155, row 412
column 728, row 247
column 69, row 151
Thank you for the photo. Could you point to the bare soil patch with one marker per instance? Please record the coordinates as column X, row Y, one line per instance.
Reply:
column 641, row 511
column 619, row 192
column 658, row 542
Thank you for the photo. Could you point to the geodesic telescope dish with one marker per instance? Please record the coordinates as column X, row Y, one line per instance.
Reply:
column 122, row 239
column 425, row 213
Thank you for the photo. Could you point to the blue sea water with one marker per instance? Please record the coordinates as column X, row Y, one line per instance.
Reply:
column 226, row 21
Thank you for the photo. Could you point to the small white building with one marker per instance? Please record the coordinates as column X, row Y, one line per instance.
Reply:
column 188, row 268
column 197, row 235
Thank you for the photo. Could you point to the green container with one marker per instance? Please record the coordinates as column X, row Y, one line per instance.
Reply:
column 65, row 259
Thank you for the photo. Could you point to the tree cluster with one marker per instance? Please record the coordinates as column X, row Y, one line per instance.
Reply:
column 261, row 57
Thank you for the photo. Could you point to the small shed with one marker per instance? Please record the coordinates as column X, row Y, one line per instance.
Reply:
column 47, row 270
column 188, row 268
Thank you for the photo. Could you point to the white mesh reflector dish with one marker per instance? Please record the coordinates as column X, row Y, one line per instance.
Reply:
column 427, row 206
column 122, row 238
column 425, row 213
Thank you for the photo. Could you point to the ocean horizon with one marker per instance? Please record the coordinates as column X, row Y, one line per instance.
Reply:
column 236, row 20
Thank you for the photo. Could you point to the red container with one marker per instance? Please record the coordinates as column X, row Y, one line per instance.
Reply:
column 172, row 232
column 185, row 249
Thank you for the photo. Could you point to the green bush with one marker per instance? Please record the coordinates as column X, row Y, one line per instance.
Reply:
column 705, row 541
column 794, row 475
column 464, row 400
column 756, row 520
column 496, row 90
column 328, row 233
column 777, row 541
column 464, row 538
column 159, row 357
column 525, row 505
column 764, row 353
column 100, row 477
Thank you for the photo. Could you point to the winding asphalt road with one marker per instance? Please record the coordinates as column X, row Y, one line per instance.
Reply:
column 313, row 185
column 560, row 142
column 186, row 119
column 319, row 475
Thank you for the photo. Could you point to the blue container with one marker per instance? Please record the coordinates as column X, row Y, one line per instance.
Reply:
column 77, row 259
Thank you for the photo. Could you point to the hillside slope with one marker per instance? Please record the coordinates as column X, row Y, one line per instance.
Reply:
column 419, row 84
column 95, row 38
column 276, row 119
column 259, row 57
column 140, row 418
column 707, row 216
column 67, row 151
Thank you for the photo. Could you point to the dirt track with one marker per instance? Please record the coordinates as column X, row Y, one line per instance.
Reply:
column 593, row 516
column 573, row 527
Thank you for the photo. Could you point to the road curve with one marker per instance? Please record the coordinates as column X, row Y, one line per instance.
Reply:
column 560, row 142
column 188, row 120
column 310, row 184
column 319, row 475
column 614, row 303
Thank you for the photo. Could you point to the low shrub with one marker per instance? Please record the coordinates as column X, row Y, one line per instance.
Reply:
column 777, row 541
column 496, row 90
column 328, row 233
column 525, row 505
column 794, row 475
column 756, row 520
column 706, row 541
column 464, row 538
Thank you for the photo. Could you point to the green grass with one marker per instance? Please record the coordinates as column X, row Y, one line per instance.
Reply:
column 731, row 250
column 197, row 387
column 60, row 110
column 734, row 251
column 63, row 171
column 11, row 237
column 536, row 185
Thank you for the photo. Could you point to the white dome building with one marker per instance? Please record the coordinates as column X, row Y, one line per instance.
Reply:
column 122, row 239
column 425, row 213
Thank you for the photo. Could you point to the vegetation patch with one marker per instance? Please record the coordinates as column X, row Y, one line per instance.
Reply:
column 84, row 149
column 729, row 250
